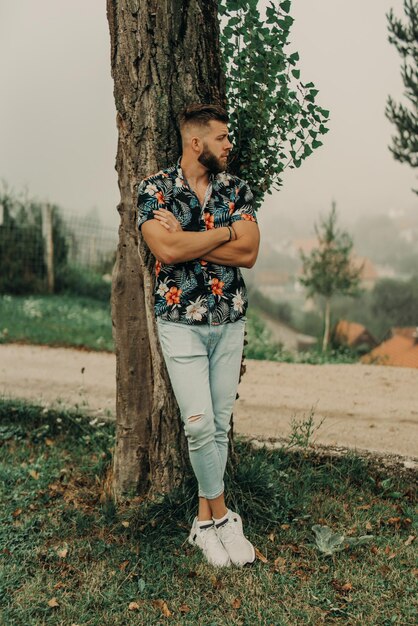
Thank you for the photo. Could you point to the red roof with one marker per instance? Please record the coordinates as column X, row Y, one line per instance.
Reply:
column 399, row 351
column 349, row 332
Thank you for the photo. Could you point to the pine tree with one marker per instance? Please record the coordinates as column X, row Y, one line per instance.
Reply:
column 328, row 270
column 404, row 36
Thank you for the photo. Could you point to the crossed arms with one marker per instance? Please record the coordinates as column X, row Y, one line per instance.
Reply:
column 170, row 244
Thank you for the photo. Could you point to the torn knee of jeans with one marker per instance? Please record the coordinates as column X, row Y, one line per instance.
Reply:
column 195, row 418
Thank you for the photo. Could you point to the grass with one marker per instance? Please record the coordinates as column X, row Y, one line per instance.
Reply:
column 70, row 557
column 82, row 322
column 62, row 320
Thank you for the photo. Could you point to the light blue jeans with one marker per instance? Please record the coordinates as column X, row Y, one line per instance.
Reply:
column 203, row 363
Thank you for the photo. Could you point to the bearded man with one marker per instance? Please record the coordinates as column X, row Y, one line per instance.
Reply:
column 199, row 222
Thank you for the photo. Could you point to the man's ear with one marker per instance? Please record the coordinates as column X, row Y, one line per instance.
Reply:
column 196, row 144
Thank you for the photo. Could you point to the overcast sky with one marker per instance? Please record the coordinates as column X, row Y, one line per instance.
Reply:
column 57, row 115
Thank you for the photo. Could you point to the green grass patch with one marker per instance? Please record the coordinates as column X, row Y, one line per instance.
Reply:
column 69, row 556
column 62, row 320
column 82, row 322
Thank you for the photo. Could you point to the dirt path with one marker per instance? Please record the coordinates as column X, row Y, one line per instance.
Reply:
column 367, row 407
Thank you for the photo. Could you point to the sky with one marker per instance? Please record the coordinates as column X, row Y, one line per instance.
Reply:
column 57, row 114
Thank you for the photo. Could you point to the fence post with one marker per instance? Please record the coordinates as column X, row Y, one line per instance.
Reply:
column 48, row 245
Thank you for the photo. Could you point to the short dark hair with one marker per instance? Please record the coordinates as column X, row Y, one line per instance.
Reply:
column 202, row 114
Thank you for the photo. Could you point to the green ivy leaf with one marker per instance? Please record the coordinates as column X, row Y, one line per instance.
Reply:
column 285, row 6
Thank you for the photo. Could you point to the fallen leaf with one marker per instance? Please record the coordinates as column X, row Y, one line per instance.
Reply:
column 53, row 602
column 17, row 512
column 285, row 526
column 260, row 556
column 59, row 585
column 392, row 555
column 49, row 442
column 216, row 582
column 162, row 605
column 369, row 526
column 123, row 565
column 34, row 474
column 414, row 571
column 374, row 549
column 184, row 608
column 62, row 553
column 236, row 603
column 280, row 564
column 410, row 539
column 393, row 521
column 133, row 606
column 364, row 507
column 125, row 524
column 345, row 588
column 272, row 536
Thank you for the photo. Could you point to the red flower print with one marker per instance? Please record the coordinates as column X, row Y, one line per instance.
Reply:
column 157, row 267
column 217, row 286
column 202, row 262
column 160, row 197
column 209, row 221
column 231, row 207
column 247, row 217
column 173, row 296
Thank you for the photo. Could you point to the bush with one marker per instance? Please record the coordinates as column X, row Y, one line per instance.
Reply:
column 81, row 281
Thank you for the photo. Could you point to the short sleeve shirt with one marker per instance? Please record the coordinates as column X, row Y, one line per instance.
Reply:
column 197, row 291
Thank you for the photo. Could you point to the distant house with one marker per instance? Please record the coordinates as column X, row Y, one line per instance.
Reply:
column 401, row 349
column 353, row 335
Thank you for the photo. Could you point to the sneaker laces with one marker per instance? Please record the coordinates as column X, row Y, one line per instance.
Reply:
column 209, row 537
column 227, row 532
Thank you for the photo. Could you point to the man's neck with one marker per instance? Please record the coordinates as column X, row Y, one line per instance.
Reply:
column 196, row 174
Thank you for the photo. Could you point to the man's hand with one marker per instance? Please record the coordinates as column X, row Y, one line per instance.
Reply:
column 240, row 251
column 168, row 220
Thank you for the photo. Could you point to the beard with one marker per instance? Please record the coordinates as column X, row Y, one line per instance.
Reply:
column 211, row 162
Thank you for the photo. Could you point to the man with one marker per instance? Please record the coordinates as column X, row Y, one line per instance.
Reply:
column 200, row 225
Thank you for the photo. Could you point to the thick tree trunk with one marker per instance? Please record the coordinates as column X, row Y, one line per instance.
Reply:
column 164, row 55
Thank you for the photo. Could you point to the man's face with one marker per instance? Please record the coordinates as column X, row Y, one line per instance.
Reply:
column 216, row 147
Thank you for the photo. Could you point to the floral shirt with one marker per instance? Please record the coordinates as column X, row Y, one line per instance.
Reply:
column 197, row 291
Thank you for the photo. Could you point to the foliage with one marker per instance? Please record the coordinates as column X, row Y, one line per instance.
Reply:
column 274, row 117
column 71, row 557
column 281, row 311
column 82, row 281
column 328, row 269
column 397, row 301
column 21, row 244
column 404, row 36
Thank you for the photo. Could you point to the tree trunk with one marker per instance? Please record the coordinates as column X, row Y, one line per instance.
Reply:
column 327, row 324
column 164, row 55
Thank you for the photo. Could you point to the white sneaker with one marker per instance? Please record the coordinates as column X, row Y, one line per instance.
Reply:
column 207, row 540
column 240, row 550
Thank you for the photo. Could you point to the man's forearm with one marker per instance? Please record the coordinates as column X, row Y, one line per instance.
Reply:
column 235, row 253
column 186, row 246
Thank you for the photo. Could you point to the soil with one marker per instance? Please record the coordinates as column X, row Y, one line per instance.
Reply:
column 366, row 407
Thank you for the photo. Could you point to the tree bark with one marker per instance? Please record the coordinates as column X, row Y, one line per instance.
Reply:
column 164, row 55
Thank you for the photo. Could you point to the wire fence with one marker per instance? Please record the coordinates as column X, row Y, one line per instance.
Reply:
column 38, row 242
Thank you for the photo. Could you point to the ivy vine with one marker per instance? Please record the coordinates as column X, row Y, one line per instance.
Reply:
column 274, row 119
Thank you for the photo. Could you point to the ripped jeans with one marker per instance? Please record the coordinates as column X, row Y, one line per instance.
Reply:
column 203, row 363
